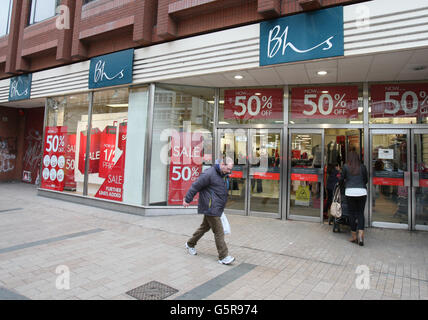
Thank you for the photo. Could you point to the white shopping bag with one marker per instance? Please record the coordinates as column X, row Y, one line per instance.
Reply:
column 225, row 223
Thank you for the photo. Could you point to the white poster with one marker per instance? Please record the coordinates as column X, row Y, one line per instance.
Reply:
column 386, row 154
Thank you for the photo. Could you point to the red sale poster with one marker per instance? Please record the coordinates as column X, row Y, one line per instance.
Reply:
column 336, row 102
column 399, row 100
column 111, row 169
column 70, row 152
column 94, row 151
column 112, row 188
column 253, row 104
column 107, row 148
column 185, row 166
column 54, row 158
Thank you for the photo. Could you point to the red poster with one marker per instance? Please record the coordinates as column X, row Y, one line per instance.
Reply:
column 185, row 167
column 399, row 100
column 94, row 151
column 266, row 176
column 338, row 102
column 112, row 188
column 70, row 153
column 111, row 169
column 388, row 181
column 423, row 183
column 54, row 158
column 304, row 177
column 107, row 148
column 253, row 104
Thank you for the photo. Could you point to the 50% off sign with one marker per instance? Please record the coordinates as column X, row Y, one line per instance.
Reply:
column 253, row 104
column 325, row 102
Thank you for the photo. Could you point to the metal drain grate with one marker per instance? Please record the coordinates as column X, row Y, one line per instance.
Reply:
column 152, row 291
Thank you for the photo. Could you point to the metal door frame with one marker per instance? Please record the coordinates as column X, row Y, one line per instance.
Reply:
column 407, row 180
column 415, row 178
column 277, row 215
column 292, row 131
column 247, row 206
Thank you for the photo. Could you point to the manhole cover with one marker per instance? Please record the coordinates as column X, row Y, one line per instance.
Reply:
column 152, row 291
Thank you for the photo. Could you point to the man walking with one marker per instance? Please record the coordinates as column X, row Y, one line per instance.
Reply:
column 212, row 185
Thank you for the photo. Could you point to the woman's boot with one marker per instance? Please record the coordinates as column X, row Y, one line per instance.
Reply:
column 361, row 237
column 353, row 237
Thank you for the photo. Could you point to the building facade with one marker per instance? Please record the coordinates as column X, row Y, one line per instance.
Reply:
column 140, row 97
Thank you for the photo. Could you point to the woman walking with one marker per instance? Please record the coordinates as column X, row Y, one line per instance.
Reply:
column 355, row 177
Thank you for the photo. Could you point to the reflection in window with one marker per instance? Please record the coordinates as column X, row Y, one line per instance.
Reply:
column 61, row 148
column 42, row 9
column 5, row 15
column 399, row 103
column 182, row 141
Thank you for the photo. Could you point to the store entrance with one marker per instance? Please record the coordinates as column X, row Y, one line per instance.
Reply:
column 255, row 182
column 316, row 156
column 399, row 178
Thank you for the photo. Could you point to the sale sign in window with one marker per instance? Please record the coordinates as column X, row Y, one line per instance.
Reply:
column 185, row 167
column 54, row 161
column 399, row 100
column 245, row 104
column 112, row 161
column 336, row 102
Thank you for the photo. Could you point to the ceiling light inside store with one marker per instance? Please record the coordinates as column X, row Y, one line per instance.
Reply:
column 322, row 73
column 238, row 77
column 118, row 105
column 223, row 122
column 324, row 91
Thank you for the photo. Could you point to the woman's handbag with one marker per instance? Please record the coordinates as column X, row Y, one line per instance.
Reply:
column 336, row 206
column 225, row 223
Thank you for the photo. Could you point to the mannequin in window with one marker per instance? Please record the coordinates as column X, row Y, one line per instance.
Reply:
column 316, row 152
column 333, row 153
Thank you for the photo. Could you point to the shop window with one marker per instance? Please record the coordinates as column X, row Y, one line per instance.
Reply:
column 399, row 103
column 5, row 15
column 326, row 104
column 114, row 168
column 182, row 141
column 251, row 106
column 42, row 9
column 107, row 144
column 66, row 116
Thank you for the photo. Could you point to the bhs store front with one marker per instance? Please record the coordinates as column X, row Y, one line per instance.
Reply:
column 132, row 130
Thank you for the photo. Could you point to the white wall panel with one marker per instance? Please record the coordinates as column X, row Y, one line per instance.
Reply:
column 63, row 80
column 4, row 90
column 385, row 25
column 222, row 51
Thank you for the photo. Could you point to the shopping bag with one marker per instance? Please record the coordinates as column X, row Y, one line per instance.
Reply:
column 336, row 206
column 225, row 223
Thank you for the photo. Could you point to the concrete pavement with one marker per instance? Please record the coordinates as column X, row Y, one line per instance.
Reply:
column 51, row 249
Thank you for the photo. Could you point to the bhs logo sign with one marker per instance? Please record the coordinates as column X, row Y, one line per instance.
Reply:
column 306, row 36
column 111, row 69
column 20, row 87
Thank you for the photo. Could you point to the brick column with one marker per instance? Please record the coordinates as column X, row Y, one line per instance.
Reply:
column 78, row 49
column 269, row 8
column 13, row 38
column 166, row 26
column 63, row 52
column 145, row 11
column 23, row 64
